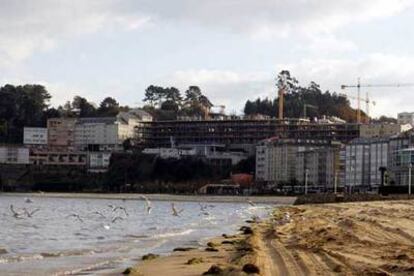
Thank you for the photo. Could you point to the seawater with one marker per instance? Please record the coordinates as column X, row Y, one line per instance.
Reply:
column 54, row 243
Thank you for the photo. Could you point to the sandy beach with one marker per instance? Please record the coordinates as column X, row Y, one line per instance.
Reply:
column 366, row 238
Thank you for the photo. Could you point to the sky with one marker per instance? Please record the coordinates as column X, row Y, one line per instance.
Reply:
column 232, row 49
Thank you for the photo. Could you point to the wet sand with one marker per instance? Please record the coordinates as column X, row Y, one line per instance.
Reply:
column 282, row 200
column 366, row 238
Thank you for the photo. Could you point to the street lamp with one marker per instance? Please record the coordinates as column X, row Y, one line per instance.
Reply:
column 306, row 181
column 410, row 167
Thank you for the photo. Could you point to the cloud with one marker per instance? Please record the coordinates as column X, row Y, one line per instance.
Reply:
column 266, row 17
column 233, row 88
column 28, row 26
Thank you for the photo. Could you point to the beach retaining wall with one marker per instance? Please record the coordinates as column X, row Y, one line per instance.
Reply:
column 332, row 198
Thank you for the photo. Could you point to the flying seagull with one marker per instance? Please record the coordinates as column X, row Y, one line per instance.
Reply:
column 175, row 212
column 28, row 200
column 75, row 216
column 31, row 213
column 121, row 208
column 100, row 214
column 203, row 208
column 147, row 203
column 115, row 219
column 251, row 203
column 16, row 214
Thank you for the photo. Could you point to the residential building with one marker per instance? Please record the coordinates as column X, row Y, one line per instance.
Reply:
column 35, row 136
column 382, row 130
column 406, row 118
column 108, row 133
column 364, row 158
column 318, row 166
column 14, row 155
column 285, row 162
column 61, row 133
column 399, row 149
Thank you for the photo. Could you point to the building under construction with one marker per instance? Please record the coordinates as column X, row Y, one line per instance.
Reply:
column 244, row 133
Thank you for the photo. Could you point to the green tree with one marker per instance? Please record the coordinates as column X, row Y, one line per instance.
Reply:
column 21, row 106
column 85, row 109
column 108, row 107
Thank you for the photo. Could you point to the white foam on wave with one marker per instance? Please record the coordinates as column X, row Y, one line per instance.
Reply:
column 16, row 259
column 173, row 234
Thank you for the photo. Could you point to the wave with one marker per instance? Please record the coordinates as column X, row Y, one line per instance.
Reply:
column 173, row 234
column 17, row 259
column 43, row 255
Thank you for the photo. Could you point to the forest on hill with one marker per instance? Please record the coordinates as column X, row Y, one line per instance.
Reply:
column 318, row 103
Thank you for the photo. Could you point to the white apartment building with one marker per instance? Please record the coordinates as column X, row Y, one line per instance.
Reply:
column 35, row 136
column 321, row 164
column 275, row 161
column 364, row 158
column 406, row 118
column 14, row 155
column 285, row 161
column 108, row 133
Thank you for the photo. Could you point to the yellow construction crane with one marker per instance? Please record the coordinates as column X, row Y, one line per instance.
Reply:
column 358, row 86
column 367, row 101
column 281, row 102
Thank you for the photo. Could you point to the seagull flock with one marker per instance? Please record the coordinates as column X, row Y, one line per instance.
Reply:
column 119, row 213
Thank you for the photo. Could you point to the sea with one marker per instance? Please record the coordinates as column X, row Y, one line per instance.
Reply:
column 69, row 236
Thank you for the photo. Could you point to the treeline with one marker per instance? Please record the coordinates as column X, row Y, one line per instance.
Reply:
column 22, row 105
column 158, row 175
column 166, row 175
column 318, row 103
column 29, row 105
column 167, row 103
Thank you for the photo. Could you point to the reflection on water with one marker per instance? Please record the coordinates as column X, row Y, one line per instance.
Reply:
column 88, row 236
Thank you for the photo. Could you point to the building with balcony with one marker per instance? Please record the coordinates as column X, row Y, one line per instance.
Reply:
column 285, row 162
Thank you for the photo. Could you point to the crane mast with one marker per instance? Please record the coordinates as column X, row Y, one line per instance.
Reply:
column 281, row 102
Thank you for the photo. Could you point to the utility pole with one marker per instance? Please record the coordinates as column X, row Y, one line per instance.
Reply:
column 336, row 182
column 359, row 101
column 306, row 181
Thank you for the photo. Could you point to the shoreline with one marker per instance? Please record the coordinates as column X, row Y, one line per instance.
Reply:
column 280, row 200
column 363, row 238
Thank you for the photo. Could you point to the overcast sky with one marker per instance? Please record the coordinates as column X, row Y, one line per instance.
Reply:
column 232, row 49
